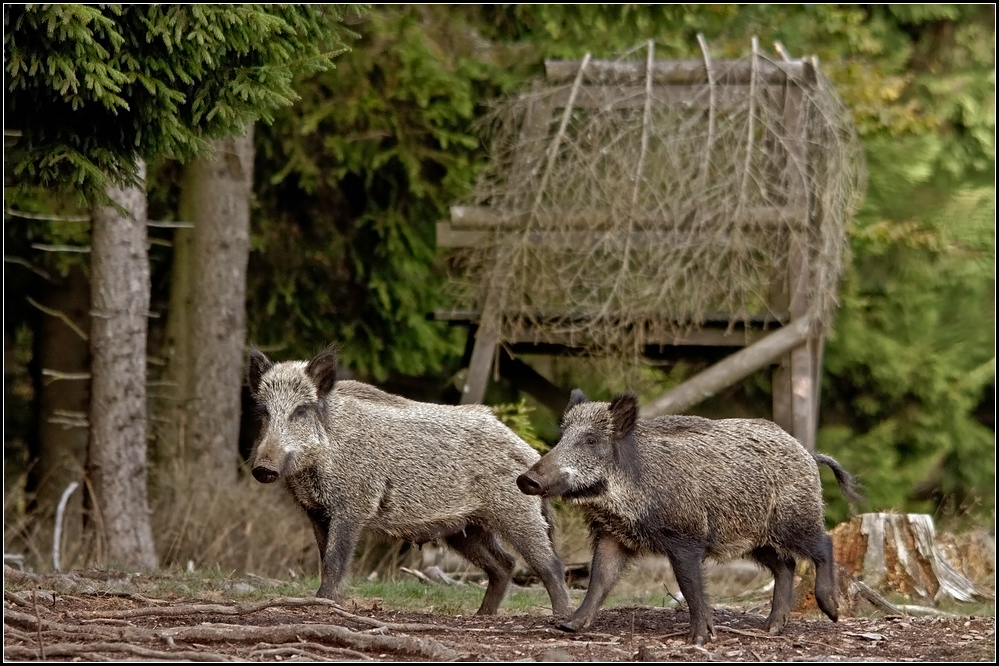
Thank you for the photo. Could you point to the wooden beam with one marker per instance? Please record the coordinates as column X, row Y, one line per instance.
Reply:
column 486, row 218
column 527, row 379
column 480, row 366
column 673, row 72
column 610, row 97
column 730, row 370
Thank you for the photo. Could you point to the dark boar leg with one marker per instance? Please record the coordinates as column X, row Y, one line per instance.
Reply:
column 609, row 559
column 687, row 560
column 820, row 550
column 342, row 537
column 783, row 570
column 483, row 550
column 320, row 527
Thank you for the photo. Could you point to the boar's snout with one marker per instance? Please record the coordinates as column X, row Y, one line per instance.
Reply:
column 265, row 474
column 529, row 484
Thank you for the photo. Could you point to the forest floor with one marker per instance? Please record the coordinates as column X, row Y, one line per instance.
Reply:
column 103, row 616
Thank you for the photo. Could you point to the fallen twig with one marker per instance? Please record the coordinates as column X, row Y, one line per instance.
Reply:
column 419, row 575
column 289, row 651
column 925, row 610
column 752, row 634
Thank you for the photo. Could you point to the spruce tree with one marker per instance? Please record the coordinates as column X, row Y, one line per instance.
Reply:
column 94, row 91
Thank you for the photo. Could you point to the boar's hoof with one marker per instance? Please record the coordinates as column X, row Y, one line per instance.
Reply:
column 325, row 593
column 568, row 625
column 529, row 485
column 264, row 475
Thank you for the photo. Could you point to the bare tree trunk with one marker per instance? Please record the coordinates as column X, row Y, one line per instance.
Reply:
column 64, row 357
column 171, row 428
column 119, row 277
column 207, row 327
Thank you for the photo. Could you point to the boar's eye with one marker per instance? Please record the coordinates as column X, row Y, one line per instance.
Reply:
column 301, row 411
column 590, row 440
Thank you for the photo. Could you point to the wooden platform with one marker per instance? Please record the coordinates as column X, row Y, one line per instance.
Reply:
column 791, row 344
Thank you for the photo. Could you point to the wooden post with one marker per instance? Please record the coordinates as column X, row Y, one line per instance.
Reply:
column 487, row 336
column 480, row 365
column 803, row 372
column 802, row 366
column 781, row 376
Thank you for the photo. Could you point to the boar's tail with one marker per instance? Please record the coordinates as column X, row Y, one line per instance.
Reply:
column 847, row 482
column 546, row 512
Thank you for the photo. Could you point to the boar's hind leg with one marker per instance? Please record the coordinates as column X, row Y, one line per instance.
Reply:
column 819, row 549
column 609, row 558
column 483, row 550
column 782, row 568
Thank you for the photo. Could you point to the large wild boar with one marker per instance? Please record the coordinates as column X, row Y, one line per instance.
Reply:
column 356, row 458
column 690, row 488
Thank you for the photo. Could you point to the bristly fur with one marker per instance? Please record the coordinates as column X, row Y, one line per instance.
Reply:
column 357, row 458
column 690, row 488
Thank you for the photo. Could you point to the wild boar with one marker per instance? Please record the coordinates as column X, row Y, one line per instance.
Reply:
column 355, row 457
column 690, row 488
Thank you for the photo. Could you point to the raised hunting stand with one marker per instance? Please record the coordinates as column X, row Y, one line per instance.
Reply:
column 647, row 208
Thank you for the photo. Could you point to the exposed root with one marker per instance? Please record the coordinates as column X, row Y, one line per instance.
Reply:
column 226, row 633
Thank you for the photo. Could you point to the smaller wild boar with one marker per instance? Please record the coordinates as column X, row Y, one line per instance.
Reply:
column 690, row 488
column 356, row 458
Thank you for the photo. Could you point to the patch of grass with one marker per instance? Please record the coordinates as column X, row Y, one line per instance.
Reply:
column 417, row 596
column 414, row 595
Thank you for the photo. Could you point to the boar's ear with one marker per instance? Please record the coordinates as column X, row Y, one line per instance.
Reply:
column 255, row 369
column 322, row 370
column 575, row 398
column 624, row 413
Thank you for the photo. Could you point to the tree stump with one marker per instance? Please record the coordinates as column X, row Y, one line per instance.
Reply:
column 893, row 554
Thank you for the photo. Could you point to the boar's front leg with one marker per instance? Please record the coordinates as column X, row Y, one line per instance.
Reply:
column 320, row 527
column 336, row 541
column 609, row 559
column 686, row 559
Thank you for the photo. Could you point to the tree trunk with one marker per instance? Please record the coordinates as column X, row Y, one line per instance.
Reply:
column 119, row 277
column 170, row 428
column 207, row 327
column 64, row 400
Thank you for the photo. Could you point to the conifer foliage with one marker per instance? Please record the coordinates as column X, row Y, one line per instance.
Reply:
column 91, row 87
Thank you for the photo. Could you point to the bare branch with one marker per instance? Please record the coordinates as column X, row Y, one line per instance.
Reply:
column 62, row 316
column 56, row 375
column 45, row 216
column 44, row 247
column 30, row 266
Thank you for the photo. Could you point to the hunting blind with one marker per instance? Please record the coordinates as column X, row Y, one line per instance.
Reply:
column 641, row 208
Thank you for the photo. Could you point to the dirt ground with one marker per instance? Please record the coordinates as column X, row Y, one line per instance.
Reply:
column 80, row 623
